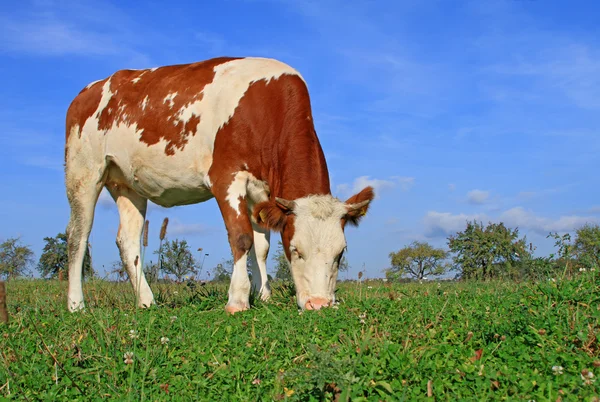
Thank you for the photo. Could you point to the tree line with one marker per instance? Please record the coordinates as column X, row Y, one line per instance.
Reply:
column 495, row 251
column 478, row 252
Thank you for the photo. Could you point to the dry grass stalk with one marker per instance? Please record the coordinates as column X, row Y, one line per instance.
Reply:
column 146, row 225
column 3, row 310
column 163, row 229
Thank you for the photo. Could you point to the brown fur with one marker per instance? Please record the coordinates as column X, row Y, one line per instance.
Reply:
column 269, row 215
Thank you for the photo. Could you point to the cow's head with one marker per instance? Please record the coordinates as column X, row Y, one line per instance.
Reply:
column 312, row 232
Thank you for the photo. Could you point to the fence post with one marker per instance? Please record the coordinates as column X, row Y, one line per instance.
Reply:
column 3, row 311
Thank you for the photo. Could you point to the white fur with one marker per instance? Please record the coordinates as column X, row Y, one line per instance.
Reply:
column 237, row 189
column 91, row 84
column 318, row 239
column 145, row 102
column 239, row 288
column 106, row 97
column 169, row 98
column 258, row 255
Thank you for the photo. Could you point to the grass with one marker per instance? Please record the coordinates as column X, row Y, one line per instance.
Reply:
column 452, row 341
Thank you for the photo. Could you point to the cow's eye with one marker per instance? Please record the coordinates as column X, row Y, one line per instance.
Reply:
column 296, row 252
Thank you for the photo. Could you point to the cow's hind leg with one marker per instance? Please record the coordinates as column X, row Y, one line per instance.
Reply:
column 132, row 213
column 82, row 192
column 258, row 255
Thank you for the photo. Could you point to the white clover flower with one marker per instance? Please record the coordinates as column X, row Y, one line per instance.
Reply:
column 128, row 358
column 582, row 269
column 362, row 317
column 557, row 370
column 173, row 318
column 164, row 340
column 133, row 334
column 587, row 377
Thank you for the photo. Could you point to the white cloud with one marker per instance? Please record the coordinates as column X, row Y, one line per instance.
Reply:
column 521, row 218
column 378, row 185
column 77, row 28
column 438, row 224
column 105, row 200
column 178, row 228
column 478, row 197
column 405, row 183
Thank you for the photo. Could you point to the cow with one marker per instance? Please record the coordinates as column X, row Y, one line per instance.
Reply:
column 237, row 129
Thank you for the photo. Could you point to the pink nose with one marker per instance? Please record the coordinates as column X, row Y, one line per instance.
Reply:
column 316, row 303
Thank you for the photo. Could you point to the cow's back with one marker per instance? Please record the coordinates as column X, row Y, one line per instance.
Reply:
column 159, row 125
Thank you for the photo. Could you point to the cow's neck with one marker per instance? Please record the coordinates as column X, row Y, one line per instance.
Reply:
column 303, row 170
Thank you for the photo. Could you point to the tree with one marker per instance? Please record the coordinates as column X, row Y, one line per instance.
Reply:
column 282, row 267
column 486, row 252
column 119, row 269
column 586, row 246
column 15, row 258
column 177, row 259
column 151, row 271
column 344, row 266
column 222, row 272
column 55, row 258
column 417, row 260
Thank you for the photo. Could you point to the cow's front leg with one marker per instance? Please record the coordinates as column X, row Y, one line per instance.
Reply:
column 231, row 197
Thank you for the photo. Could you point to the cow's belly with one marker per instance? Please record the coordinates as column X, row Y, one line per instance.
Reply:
column 167, row 189
column 166, row 181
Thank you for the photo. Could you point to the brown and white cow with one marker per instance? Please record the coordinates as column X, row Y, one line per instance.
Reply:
column 237, row 129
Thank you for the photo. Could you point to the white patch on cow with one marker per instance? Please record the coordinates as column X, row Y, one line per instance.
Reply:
column 245, row 166
column 239, row 287
column 169, row 98
column 91, row 84
column 207, row 181
column 153, row 69
column 136, row 80
column 238, row 189
column 106, row 96
column 145, row 102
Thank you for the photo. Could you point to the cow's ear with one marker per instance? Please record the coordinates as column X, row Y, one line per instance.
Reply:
column 358, row 205
column 270, row 215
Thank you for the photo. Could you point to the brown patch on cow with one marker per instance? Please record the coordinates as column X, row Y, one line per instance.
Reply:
column 83, row 107
column 353, row 217
column 271, row 133
column 144, row 98
column 287, row 234
column 269, row 215
column 244, row 242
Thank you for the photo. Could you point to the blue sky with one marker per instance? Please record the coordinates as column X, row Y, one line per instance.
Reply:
column 453, row 110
